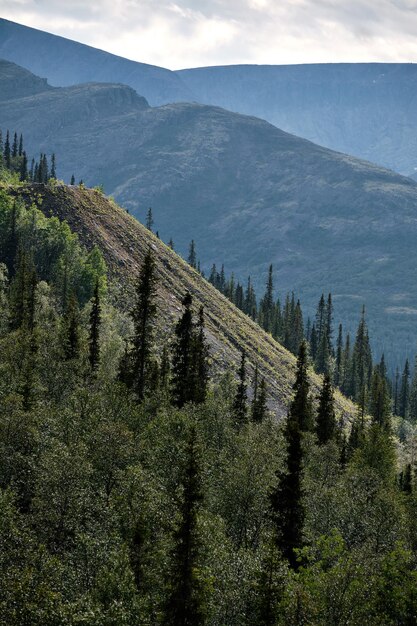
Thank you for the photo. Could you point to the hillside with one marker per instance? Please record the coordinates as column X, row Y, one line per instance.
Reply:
column 363, row 109
column 247, row 192
column 123, row 241
column 65, row 62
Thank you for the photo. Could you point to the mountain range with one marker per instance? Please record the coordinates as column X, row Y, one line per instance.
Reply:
column 363, row 109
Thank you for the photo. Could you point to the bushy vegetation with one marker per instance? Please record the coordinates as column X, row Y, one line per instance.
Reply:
column 135, row 490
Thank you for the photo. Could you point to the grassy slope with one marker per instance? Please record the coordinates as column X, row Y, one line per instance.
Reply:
column 123, row 240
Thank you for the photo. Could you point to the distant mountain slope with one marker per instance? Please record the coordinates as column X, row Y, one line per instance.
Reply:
column 16, row 82
column 124, row 241
column 248, row 193
column 363, row 109
column 64, row 62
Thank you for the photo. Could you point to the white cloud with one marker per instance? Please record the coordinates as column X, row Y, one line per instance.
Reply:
column 184, row 33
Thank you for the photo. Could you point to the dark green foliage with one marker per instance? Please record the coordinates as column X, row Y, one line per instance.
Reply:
column 149, row 220
column 200, row 360
column 404, row 392
column 259, row 403
column 95, row 323
column 192, row 257
column 71, row 341
column 72, row 182
column 266, row 307
column 326, row 418
column 22, row 292
column 143, row 315
column 185, row 604
column 240, row 406
column 379, row 401
column 412, row 403
column 301, row 407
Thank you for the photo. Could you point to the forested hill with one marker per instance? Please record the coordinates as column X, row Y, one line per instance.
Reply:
column 247, row 193
column 124, row 241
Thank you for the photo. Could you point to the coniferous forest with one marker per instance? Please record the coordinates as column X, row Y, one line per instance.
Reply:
column 138, row 485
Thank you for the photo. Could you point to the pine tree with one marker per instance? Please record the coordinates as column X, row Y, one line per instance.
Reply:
column 240, row 402
column 301, row 405
column 182, row 358
column 266, row 308
column 15, row 146
column 24, row 167
column 95, row 323
column 200, row 356
column 404, row 391
column 72, row 180
column 326, row 418
column 143, row 315
column 7, row 151
column 259, row 405
column 412, row 404
column 71, row 330
column 53, row 166
column 23, row 292
column 396, row 391
column 192, row 257
column 149, row 219
column 171, row 243
column 379, row 404
column 361, row 363
column 10, row 248
column 185, row 604
column 21, row 145
column 338, row 372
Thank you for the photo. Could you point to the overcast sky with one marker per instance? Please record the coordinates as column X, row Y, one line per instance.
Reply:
column 190, row 33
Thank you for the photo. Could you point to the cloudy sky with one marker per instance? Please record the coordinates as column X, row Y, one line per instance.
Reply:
column 188, row 33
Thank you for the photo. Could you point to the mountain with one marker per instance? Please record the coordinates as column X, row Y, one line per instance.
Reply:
column 65, row 62
column 363, row 109
column 248, row 193
column 124, row 241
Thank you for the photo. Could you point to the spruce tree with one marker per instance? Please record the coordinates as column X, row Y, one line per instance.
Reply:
column 53, row 167
column 301, row 405
column 143, row 315
column 379, row 403
column 338, row 372
column 259, row 405
column 21, row 145
column 95, row 323
column 200, row 361
column 24, row 168
column 71, row 329
column 412, row 404
column 15, row 146
column 326, row 418
column 266, row 307
column 72, row 180
column 7, row 151
column 192, row 257
column 149, row 219
column 404, row 391
column 22, row 292
column 361, row 363
column 185, row 604
column 182, row 357
column 240, row 402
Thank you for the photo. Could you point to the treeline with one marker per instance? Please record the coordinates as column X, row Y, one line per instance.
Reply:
column 347, row 360
column 13, row 157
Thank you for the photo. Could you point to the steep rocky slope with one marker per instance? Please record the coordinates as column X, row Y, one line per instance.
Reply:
column 123, row 241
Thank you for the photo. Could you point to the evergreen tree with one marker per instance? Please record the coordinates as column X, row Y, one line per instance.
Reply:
column 404, row 391
column 171, row 243
column 192, row 257
column 301, row 405
column 143, row 315
column 338, row 372
column 326, row 418
column 95, row 323
column 149, row 220
column 24, row 167
column 21, row 145
column 200, row 361
column 379, row 404
column 7, row 151
column 71, row 330
column 23, row 292
column 72, row 180
column 361, row 363
column 15, row 146
column 53, row 166
column 412, row 404
column 185, row 604
column 266, row 308
column 182, row 358
column 250, row 306
column 259, row 405
column 240, row 401
column 396, row 391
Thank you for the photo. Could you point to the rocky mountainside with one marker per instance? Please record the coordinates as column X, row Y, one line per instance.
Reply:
column 363, row 109
column 65, row 62
column 248, row 193
column 124, row 241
